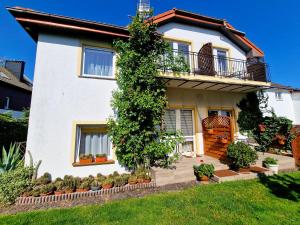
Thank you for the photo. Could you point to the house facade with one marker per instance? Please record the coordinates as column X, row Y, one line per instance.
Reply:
column 15, row 88
column 75, row 76
column 285, row 101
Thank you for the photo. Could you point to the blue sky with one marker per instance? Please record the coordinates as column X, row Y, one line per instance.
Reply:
column 273, row 25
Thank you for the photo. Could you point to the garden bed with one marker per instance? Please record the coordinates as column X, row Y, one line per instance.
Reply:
column 77, row 195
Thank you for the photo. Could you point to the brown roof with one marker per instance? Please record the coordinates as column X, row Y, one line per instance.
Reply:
column 233, row 34
column 280, row 86
column 36, row 21
column 7, row 77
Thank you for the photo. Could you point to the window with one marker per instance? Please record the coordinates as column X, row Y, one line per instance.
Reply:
column 278, row 96
column 169, row 121
column 183, row 49
column 7, row 103
column 222, row 61
column 92, row 139
column 97, row 62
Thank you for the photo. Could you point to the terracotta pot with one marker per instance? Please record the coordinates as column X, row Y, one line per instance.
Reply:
column 204, row 178
column 59, row 192
column 210, row 131
column 82, row 190
column 132, row 182
column 281, row 141
column 262, row 128
column 224, row 140
column 147, row 181
column 107, row 186
column 101, row 159
column 85, row 161
column 140, row 180
column 69, row 191
column 46, row 194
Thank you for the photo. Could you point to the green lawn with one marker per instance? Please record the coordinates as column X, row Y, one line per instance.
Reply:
column 273, row 200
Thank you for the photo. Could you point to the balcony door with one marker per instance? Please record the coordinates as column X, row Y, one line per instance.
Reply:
column 183, row 49
column 221, row 64
column 182, row 120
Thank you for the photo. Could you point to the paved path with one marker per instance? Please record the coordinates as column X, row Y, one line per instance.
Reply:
column 183, row 171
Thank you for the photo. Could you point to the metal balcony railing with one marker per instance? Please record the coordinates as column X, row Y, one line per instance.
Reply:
column 211, row 65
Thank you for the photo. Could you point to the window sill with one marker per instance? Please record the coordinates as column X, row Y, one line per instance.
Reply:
column 77, row 164
column 98, row 77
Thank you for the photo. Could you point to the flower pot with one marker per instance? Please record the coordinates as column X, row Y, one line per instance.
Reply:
column 210, row 131
column 223, row 140
column 281, row 141
column 59, row 192
column 262, row 128
column 82, row 190
column 147, row 181
column 46, row 194
column 107, row 186
column 273, row 167
column 95, row 188
column 140, row 180
column 132, row 182
column 69, row 191
column 101, row 159
column 85, row 161
column 204, row 178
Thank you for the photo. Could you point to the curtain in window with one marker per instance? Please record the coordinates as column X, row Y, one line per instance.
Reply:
column 94, row 143
column 186, row 119
column 169, row 120
column 98, row 62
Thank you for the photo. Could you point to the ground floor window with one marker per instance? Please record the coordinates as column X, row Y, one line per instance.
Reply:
column 92, row 140
column 182, row 120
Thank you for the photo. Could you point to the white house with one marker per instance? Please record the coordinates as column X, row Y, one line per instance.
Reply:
column 75, row 75
column 285, row 101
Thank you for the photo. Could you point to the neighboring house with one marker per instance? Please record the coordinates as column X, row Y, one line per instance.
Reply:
column 15, row 88
column 75, row 76
column 285, row 101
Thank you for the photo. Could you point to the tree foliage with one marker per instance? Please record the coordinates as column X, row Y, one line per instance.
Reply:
column 141, row 98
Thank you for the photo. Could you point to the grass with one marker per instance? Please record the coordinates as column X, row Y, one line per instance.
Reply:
column 269, row 200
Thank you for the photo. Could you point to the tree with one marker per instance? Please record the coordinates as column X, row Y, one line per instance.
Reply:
column 141, row 99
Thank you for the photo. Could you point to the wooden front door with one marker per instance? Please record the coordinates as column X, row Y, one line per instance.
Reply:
column 217, row 135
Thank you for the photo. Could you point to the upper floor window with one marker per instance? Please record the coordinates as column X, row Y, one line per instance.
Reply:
column 278, row 96
column 7, row 103
column 97, row 62
column 222, row 60
column 181, row 48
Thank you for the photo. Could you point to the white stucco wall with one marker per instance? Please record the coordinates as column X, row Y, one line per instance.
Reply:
column 296, row 104
column 284, row 107
column 200, row 36
column 59, row 98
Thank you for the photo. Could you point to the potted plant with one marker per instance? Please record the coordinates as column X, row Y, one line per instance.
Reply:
column 210, row 131
column 147, row 179
column 47, row 189
column 59, row 186
column 281, row 139
column 83, row 187
column 223, row 138
column 132, row 180
column 95, row 186
column 70, row 184
column 240, row 155
column 86, row 159
column 262, row 127
column 271, row 164
column 101, row 158
column 120, row 181
column 107, row 183
column 125, row 177
column 204, row 171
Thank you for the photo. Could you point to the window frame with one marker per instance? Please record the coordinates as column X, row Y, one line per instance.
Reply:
column 103, row 49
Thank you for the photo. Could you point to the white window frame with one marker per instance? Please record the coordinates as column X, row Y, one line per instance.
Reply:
column 78, row 133
column 112, row 76
column 175, row 49
column 217, row 64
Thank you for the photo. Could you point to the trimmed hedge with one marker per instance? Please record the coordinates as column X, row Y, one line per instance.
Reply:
column 12, row 130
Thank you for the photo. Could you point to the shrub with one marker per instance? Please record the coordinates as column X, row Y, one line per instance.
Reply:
column 240, row 155
column 13, row 183
column 10, row 158
column 120, row 181
column 59, row 185
column 47, row 189
column 84, row 185
column 43, row 180
column 204, row 170
column 270, row 161
column 69, row 183
column 108, row 181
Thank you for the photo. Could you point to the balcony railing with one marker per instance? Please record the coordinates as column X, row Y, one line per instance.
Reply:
column 197, row 64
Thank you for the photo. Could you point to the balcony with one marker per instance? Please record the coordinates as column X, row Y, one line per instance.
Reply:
column 212, row 72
